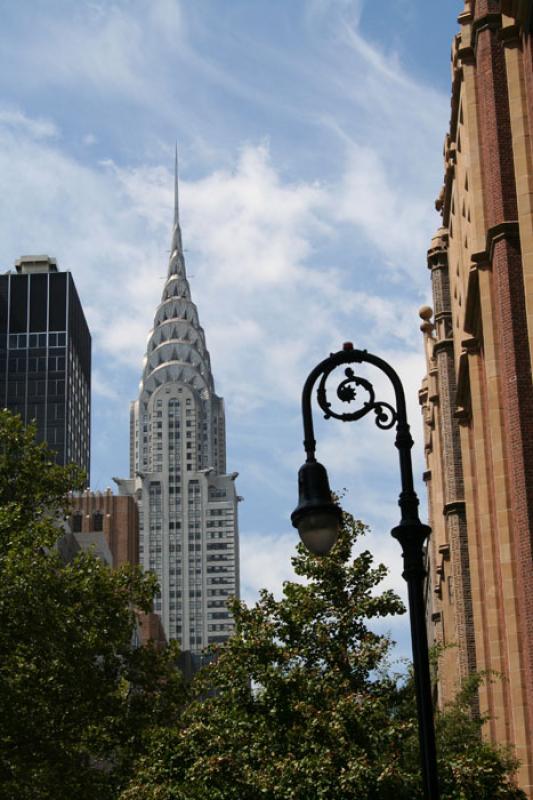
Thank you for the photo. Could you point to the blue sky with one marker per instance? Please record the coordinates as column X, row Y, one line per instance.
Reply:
column 310, row 136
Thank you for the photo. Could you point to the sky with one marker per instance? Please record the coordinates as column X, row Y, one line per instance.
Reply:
column 310, row 146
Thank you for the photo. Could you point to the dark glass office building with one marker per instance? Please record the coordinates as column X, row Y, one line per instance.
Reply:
column 45, row 356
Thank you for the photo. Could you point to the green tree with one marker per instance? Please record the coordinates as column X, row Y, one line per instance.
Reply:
column 301, row 705
column 76, row 697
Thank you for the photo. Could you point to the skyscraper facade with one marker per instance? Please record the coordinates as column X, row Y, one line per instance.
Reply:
column 45, row 356
column 188, row 529
column 477, row 398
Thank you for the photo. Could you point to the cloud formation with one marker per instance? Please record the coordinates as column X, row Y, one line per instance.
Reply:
column 310, row 157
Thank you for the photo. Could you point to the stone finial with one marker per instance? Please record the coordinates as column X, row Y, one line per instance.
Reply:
column 425, row 313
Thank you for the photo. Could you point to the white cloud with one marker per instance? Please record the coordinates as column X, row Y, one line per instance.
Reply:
column 369, row 199
column 267, row 303
column 36, row 127
column 265, row 562
column 101, row 385
column 248, row 226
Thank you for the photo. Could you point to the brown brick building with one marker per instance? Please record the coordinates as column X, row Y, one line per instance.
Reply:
column 477, row 398
column 117, row 517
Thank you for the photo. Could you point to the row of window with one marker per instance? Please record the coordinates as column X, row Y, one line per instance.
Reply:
column 56, row 388
column 97, row 522
column 227, row 557
column 211, row 570
column 227, row 533
column 156, row 526
column 19, row 341
column 36, row 364
column 219, row 546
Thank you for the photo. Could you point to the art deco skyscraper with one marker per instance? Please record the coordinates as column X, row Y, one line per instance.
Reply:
column 187, row 503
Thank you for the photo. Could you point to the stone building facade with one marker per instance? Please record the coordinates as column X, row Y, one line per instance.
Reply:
column 477, row 397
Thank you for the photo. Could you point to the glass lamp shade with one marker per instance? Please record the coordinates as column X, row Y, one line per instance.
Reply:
column 319, row 530
column 317, row 517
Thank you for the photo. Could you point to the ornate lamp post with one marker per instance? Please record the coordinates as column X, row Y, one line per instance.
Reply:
column 318, row 518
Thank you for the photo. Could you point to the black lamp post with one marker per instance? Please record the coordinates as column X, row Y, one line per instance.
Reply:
column 318, row 518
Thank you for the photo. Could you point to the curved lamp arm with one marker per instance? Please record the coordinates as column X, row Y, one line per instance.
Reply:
column 386, row 415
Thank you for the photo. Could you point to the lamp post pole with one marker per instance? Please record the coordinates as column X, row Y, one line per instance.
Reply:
column 317, row 517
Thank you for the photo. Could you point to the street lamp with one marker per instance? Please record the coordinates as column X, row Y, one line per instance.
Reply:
column 318, row 518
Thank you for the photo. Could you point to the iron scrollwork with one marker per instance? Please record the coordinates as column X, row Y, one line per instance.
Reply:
column 347, row 392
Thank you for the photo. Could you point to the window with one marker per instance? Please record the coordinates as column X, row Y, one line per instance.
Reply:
column 76, row 523
column 98, row 521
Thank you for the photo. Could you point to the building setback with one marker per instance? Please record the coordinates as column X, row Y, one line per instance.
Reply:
column 477, row 398
column 188, row 531
column 45, row 356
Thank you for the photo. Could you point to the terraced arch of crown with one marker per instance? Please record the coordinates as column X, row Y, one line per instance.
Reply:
column 176, row 372
column 177, row 308
column 177, row 331
column 171, row 392
column 174, row 351
column 177, row 286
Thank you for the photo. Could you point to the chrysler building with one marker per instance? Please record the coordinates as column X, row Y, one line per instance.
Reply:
column 188, row 530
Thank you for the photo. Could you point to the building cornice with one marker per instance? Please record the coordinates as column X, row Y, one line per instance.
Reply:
column 444, row 345
column 508, row 229
column 454, row 507
column 492, row 21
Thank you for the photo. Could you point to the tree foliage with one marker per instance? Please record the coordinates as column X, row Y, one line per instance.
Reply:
column 301, row 705
column 76, row 697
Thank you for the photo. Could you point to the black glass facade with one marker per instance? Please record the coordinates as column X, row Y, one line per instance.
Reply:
column 45, row 360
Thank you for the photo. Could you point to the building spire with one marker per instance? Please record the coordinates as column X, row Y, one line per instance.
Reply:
column 176, row 247
column 176, row 191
